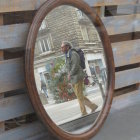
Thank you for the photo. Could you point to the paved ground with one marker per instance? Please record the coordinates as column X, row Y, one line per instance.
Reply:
column 65, row 112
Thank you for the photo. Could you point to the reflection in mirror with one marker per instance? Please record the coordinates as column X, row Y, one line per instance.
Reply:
column 71, row 85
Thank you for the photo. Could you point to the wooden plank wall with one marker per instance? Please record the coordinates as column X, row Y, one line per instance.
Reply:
column 124, row 32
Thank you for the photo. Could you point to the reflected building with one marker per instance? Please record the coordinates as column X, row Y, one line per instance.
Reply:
column 69, row 24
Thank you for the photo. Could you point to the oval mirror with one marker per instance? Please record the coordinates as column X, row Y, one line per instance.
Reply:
column 69, row 69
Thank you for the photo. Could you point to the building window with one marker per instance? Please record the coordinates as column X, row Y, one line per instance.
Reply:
column 44, row 44
column 80, row 14
column 43, row 25
column 84, row 33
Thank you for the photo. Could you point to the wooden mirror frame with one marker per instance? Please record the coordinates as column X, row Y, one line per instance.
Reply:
column 29, row 68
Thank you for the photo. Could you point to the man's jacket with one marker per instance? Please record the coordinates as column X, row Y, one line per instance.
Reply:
column 73, row 66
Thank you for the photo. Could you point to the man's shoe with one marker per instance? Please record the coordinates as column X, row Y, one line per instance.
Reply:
column 94, row 108
column 84, row 114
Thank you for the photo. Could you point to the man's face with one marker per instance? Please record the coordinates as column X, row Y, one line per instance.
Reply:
column 64, row 48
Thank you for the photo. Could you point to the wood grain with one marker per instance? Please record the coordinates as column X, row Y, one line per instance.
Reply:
column 122, row 24
column 24, row 132
column 14, row 106
column 11, row 75
column 111, row 2
column 126, row 52
column 2, row 127
column 16, row 80
column 13, row 36
column 27, row 5
column 22, row 5
column 1, row 19
column 127, row 77
column 2, row 124
column 1, row 55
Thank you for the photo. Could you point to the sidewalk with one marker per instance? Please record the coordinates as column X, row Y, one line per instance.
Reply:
column 68, row 111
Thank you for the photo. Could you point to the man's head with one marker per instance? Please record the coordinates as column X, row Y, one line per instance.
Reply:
column 65, row 46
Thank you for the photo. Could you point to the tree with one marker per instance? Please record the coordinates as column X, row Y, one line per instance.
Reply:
column 59, row 85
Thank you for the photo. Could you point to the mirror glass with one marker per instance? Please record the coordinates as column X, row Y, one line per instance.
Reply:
column 70, row 69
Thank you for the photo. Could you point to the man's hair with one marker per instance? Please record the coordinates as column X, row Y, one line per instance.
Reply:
column 66, row 43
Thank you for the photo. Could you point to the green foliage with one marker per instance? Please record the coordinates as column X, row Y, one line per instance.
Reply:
column 59, row 84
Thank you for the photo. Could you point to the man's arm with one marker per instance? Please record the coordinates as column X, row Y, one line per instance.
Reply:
column 74, row 63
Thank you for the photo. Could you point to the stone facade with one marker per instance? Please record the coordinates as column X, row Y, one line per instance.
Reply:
column 66, row 23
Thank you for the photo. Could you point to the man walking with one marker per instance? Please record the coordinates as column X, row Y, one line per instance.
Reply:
column 76, row 76
column 44, row 88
